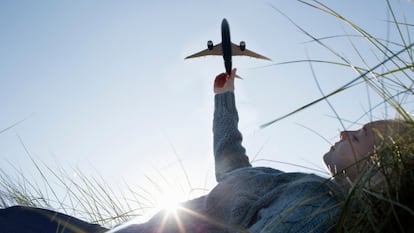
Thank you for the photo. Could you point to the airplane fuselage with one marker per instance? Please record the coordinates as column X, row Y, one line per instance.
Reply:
column 226, row 45
column 227, row 49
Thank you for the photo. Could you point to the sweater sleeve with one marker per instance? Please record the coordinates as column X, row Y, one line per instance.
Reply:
column 229, row 154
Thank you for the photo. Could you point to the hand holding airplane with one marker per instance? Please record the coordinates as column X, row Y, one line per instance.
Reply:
column 227, row 49
column 224, row 82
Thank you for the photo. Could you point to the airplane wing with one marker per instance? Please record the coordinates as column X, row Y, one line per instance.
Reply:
column 236, row 51
column 216, row 50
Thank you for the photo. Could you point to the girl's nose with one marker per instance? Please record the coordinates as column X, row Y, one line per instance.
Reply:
column 342, row 135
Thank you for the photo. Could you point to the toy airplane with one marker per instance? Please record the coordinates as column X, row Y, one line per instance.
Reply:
column 226, row 48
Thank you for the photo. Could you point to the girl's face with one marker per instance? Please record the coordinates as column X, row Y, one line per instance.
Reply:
column 344, row 158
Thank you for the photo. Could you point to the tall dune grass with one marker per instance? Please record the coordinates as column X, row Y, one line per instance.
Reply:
column 90, row 198
column 391, row 77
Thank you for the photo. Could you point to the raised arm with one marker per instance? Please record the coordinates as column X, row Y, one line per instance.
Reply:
column 229, row 154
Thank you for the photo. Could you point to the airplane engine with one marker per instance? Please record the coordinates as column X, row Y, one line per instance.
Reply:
column 242, row 45
column 210, row 45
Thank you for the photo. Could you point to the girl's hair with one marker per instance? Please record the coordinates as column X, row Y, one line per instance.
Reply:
column 386, row 205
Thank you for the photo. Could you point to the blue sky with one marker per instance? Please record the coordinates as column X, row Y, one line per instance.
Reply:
column 103, row 85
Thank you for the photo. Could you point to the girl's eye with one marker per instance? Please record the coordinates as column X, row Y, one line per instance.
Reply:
column 355, row 138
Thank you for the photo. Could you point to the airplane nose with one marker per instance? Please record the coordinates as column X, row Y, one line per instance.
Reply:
column 224, row 23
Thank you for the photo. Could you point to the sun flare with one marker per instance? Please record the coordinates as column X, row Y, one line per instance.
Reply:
column 169, row 201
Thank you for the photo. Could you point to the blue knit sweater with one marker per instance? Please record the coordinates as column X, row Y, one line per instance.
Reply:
column 250, row 199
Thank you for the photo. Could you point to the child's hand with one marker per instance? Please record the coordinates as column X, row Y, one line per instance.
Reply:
column 224, row 82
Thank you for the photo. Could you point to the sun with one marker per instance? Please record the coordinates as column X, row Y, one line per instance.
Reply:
column 169, row 202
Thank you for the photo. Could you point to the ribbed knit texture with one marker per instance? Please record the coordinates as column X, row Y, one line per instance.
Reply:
column 229, row 154
column 250, row 199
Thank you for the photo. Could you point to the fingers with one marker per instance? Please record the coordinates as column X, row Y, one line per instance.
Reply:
column 233, row 73
column 221, row 80
column 224, row 82
column 232, row 77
